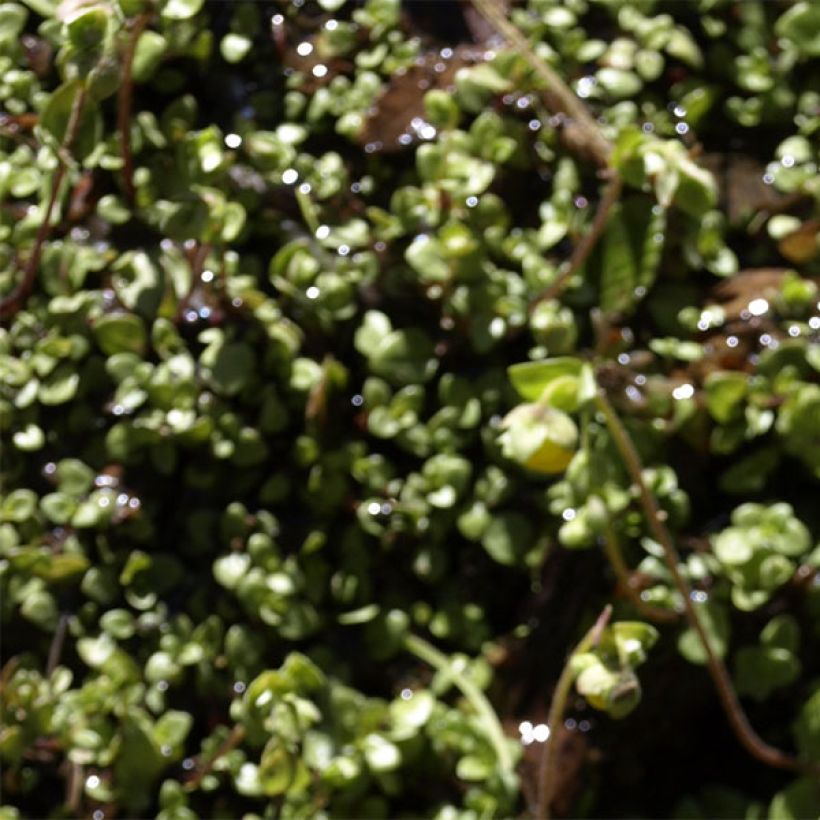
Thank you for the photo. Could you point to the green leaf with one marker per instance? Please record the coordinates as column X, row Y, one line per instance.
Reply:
column 277, row 768
column 96, row 651
column 759, row 671
column 29, row 439
column 619, row 83
column 181, row 9
column 12, row 19
column 151, row 48
column 232, row 368
column 73, row 477
column 404, row 357
column 807, row 728
column 19, row 506
column 508, row 538
column 230, row 569
column 86, row 29
column 798, row 801
column 381, row 755
column 171, row 729
column 531, row 379
column 800, row 24
column 120, row 333
column 57, row 115
column 715, row 622
column 60, row 386
column 235, row 47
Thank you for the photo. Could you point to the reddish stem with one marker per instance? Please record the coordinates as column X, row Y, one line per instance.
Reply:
column 124, row 98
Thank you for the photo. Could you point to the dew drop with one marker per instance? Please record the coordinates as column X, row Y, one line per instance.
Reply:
column 540, row 733
column 757, row 307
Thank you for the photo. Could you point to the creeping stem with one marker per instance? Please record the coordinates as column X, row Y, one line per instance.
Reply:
column 743, row 730
column 492, row 726
column 560, row 99
column 12, row 303
column 547, row 769
column 581, row 252
column 124, row 96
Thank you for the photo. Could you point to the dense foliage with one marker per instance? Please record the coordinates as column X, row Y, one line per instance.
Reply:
column 369, row 418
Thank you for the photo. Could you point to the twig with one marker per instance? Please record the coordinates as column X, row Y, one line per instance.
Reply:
column 738, row 720
column 612, row 550
column 236, row 736
column 442, row 664
column 56, row 648
column 547, row 769
column 124, row 98
column 12, row 303
column 583, row 249
column 559, row 98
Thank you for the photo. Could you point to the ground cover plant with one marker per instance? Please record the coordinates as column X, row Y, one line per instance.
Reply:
column 409, row 409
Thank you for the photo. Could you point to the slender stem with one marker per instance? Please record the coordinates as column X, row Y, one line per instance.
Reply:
column 738, row 720
column 56, row 649
column 236, row 736
column 557, row 95
column 612, row 550
column 124, row 97
column 492, row 726
column 12, row 303
column 547, row 769
column 583, row 249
